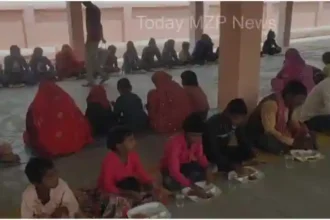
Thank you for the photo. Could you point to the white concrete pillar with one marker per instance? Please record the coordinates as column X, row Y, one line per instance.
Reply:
column 268, row 9
column 196, row 21
column 28, row 26
column 126, row 21
column 319, row 13
column 76, row 28
column 281, row 23
column 284, row 24
column 239, row 77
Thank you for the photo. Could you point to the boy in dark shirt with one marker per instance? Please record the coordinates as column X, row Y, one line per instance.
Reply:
column 224, row 140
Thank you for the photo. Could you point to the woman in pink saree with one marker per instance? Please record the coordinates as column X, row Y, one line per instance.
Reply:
column 294, row 68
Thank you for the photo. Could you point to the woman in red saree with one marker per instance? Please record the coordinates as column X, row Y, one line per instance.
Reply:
column 55, row 126
column 67, row 65
column 294, row 68
column 168, row 104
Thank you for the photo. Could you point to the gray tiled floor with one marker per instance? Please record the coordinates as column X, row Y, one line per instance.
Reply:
column 301, row 192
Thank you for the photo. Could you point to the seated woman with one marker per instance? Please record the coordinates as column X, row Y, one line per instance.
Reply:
column 99, row 112
column 168, row 105
column 184, row 55
column 294, row 68
column 224, row 140
column 55, row 126
column 203, row 51
column 48, row 196
column 16, row 69
column 148, row 55
column 197, row 97
column 273, row 126
column 128, row 107
column 7, row 155
column 270, row 46
column 169, row 56
column 184, row 163
column 41, row 65
column 67, row 65
column 122, row 173
column 111, row 64
column 131, row 58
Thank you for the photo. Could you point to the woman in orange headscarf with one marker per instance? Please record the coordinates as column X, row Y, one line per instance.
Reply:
column 55, row 126
column 67, row 65
column 99, row 112
column 168, row 104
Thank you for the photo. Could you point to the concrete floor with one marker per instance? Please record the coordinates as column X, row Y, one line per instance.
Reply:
column 299, row 192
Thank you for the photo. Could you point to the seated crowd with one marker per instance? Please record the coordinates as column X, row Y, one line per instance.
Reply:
column 18, row 72
column 55, row 126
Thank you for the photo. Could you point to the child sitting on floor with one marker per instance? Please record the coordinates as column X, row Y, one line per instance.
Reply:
column 169, row 55
column 184, row 162
column 184, row 55
column 122, row 172
column 47, row 196
column 270, row 46
column 128, row 107
column 224, row 140
column 131, row 58
column 111, row 64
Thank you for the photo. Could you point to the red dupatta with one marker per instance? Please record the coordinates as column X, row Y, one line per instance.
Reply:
column 55, row 125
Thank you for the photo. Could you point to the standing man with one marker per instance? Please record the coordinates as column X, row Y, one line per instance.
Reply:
column 94, row 36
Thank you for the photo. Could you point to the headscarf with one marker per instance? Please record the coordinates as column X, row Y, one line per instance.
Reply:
column 294, row 68
column 168, row 104
column 161, row 78
column 270, row 35
column 293, row 64
column 98, row 95
column 55, row 124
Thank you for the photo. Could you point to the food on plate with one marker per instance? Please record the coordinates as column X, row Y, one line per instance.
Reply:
column 246, row 171
column 193, row 193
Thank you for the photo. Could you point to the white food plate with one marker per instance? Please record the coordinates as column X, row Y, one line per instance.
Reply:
column 245, row 179
column 306, row 155
column 151, row 209
column 210, row 188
